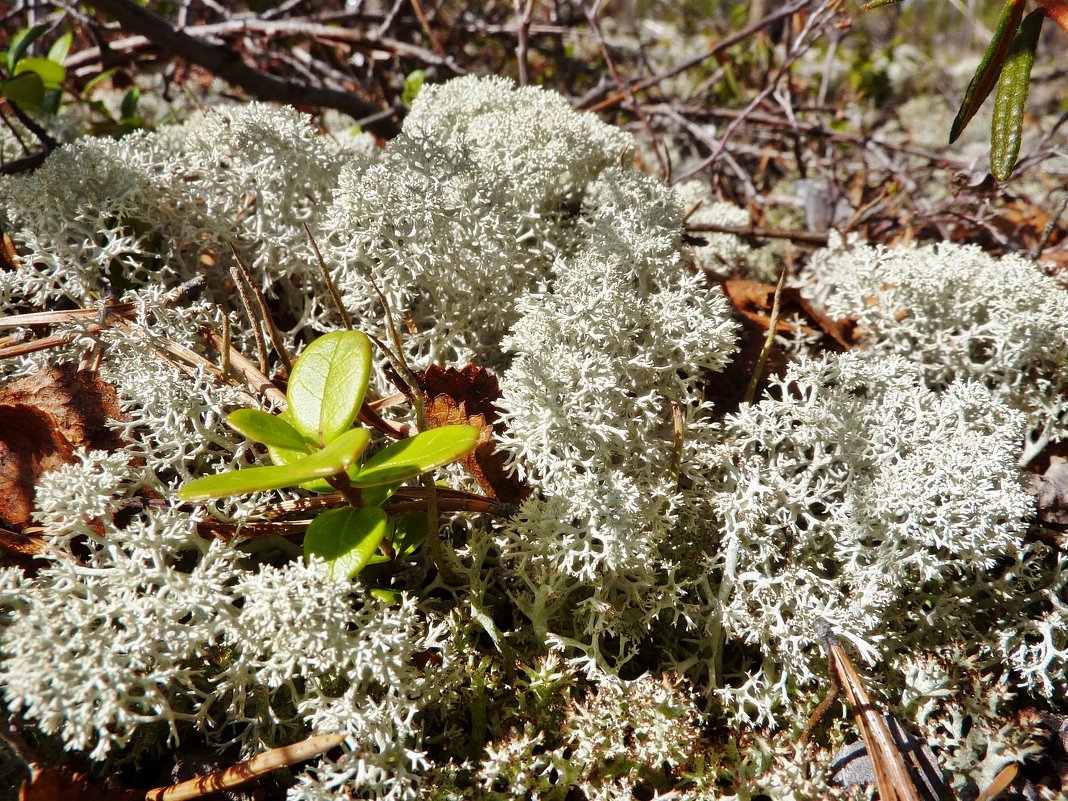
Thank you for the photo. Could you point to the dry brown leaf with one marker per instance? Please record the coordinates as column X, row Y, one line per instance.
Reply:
column 754, row 299
column 468, row 396
column 62, row 784
column 21, row 543
column 31, row 444
column 43, row 419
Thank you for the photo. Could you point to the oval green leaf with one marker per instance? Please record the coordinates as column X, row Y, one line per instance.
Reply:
column 51, row 73
column 346, row 539
column 378, row 494
column 335, row 458
column 409, row 532
column 328, row 383
column 413, row 83
column 25, row 91
column 1007, row 125
column 286, row 456
column 128, row 109
column 270, row 429
column 416, row 455
column 986, row 74
column 20, row 43
column 61, row 47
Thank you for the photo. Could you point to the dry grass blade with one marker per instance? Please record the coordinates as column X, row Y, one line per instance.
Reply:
column 892, row 777
column 769, row 342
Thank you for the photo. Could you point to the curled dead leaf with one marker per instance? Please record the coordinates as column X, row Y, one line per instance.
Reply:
column 469, row 395
column 754, row 299
column 43, row 419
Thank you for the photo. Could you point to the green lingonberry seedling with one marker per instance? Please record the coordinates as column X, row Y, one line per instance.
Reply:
column 314, row 445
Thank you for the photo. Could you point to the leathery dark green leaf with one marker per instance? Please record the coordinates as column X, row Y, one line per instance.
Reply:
column 1007, row 126
column 986, row 74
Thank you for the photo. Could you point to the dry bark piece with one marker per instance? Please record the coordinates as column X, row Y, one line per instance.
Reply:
column 1051, row 491
column 1051, row 501
column 43, row 419
column 9, row 257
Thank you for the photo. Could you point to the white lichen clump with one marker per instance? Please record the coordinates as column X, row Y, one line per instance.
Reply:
column 959, row 313
column 858, row 496
column 670, row 562
column 466, row 210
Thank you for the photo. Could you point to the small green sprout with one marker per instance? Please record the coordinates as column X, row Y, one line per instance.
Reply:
column 314, row 445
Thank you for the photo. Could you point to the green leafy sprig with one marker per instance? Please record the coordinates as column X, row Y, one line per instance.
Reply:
column 314, row 445
column 1006, row 65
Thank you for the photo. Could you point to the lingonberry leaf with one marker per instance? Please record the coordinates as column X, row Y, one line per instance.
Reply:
column 25, row 90
column 51, row 73
column 346, row 538
column 416, row 455
column 270, row 429
column 328, row 383
column 335, row 458
column 20, row 43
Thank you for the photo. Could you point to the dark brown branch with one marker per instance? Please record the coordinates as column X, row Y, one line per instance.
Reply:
column 228, row 65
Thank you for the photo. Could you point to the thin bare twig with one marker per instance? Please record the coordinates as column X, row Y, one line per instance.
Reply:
column 243, row 284
column 804, row 237
column 523, row 12
column 892, row 777
column 591, row 104
column 797, row 49
column 248, row 770
column 264, row 314
column 221, row 61
column 334, row 294
column 255, row 379
column 1051, row 226
column 624, row 87
column 424, row 23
